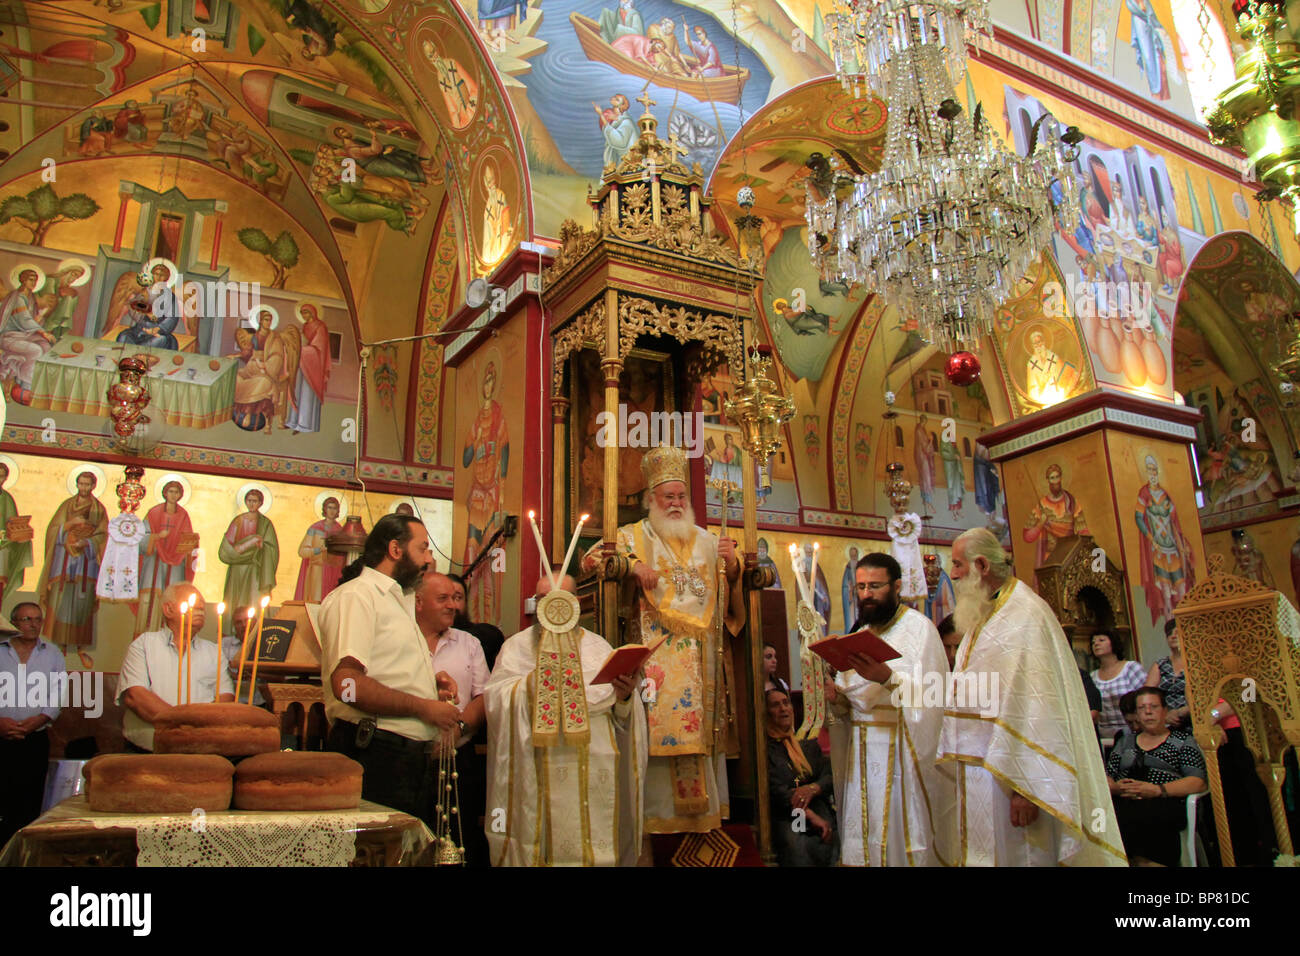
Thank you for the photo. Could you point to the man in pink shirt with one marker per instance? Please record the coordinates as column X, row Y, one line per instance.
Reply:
column 460, row 655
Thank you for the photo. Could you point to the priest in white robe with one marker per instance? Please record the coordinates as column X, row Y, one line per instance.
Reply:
column 566, row 758
column 1031, row 789
column 888, row 715
column 683, row 596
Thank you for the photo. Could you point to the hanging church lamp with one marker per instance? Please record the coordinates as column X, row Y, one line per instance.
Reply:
column 951, row 220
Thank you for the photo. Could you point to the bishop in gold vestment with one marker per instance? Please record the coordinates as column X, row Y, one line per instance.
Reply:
column 687, row 598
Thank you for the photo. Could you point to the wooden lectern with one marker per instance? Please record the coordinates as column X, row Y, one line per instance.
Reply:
column 300, row 660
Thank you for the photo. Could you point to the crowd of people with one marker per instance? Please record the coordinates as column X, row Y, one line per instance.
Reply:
column 982, row 743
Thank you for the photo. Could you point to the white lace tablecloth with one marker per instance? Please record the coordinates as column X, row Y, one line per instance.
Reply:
column 239, row 837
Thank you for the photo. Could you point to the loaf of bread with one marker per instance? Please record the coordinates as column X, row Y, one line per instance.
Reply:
column 158, row 783
column 295, row 780
column 232, row 730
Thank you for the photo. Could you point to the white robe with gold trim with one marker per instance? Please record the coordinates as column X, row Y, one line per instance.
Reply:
column 1038, row 742
column 563, row 805
column 883, row 754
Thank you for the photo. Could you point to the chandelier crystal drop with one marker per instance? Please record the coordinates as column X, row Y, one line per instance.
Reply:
column 866, row 34
column 952, row 219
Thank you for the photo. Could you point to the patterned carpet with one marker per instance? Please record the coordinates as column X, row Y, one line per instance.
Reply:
column 733, row 845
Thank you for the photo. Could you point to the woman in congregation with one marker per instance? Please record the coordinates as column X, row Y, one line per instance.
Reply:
column 1167, row 674
column 1114, row 678
column 1151, row 773
column 771, row 680
column 799, row 779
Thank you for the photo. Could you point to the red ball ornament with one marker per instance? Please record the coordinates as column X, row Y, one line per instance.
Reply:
column 963, row 368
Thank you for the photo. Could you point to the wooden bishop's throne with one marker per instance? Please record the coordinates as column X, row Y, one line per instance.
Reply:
column 1241, row 643
column 652, row 274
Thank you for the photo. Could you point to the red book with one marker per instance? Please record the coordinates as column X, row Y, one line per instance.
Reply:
column 836, row 649
column 625, row 660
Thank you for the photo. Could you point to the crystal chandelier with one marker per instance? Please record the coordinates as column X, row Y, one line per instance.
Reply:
column 952, row 219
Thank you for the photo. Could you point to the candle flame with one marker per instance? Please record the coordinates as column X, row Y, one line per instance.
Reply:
column 194, row 599
column 793, row 549
column 531, row 514
column 266, row 599
column 250, row 613
column 583, row 519
column 817, row 545
column 221, row 608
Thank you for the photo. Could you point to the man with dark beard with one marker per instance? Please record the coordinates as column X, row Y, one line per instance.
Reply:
column 381, row 694
column 886, row 730
column 683, row 596
column 1031, row 790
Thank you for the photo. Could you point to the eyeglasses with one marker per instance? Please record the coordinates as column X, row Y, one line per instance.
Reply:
column 874, row 586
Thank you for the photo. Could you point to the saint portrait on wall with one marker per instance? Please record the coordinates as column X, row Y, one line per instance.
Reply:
column 486, row 453
column 319, row 572
column 16, row 543
column 1044, row 363
column 74, row 546
column 167, row 554
column 251, row 551
column 1168, row 565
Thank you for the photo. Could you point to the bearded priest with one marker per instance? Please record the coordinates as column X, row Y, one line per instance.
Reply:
column 688, row 592
column 565, row 757
column 1031, row 790
column 893, row 804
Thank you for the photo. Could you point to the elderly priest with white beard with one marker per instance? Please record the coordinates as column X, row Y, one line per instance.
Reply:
column 566, row 758
column 686, row 600
column 1031, row 790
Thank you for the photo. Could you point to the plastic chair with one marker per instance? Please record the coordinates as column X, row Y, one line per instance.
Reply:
column 1192, row 854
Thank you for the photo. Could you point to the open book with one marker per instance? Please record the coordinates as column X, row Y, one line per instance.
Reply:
column 836, row 649
column 626, row 660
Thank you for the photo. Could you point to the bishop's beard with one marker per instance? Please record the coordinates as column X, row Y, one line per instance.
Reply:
column 678, row 530
column 974, row 603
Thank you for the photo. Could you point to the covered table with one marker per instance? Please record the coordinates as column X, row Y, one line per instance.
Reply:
column 190, row 395
column 74, row 835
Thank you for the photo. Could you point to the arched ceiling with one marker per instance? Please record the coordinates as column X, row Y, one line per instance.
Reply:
column 371, row 125
column 1236, row 318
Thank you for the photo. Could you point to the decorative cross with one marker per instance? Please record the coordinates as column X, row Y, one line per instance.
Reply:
column 675, row 148
column 644, row 99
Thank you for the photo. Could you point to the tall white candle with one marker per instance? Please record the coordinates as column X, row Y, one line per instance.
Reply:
column 797, row 566
column 573, row 543
column 541, row 548
column 812, row 575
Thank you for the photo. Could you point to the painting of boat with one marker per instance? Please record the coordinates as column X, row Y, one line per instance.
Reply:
column 722, row 89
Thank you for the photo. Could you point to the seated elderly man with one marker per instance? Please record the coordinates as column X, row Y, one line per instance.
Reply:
column 799, row 779
column 1150, row 773
column 148, row 681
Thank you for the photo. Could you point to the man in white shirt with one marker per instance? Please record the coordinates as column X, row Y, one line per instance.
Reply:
column 24, row 741
column 148, row 682
column 381, row 695
column 460, row 655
